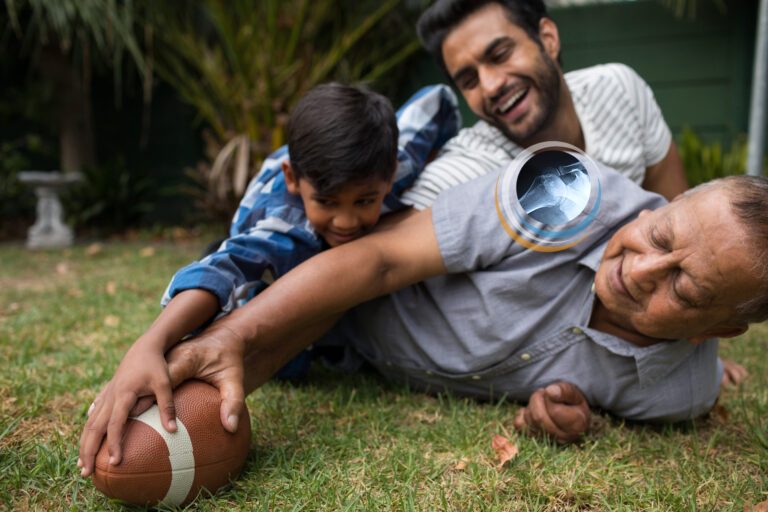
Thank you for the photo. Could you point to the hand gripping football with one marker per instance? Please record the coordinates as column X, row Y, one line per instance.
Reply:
column 172, row 467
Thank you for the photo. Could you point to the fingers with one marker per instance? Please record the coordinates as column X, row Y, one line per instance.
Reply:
column 164, row 395
column 142, row 405
column 551, row 412
column 182, row 365
column 733, row 374
column 565, row 393
column 90, row 441
column 542, row 418
column 232, row 403
column 116, row 425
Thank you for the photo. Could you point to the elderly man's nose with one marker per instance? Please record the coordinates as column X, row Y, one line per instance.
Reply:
column 646, row 271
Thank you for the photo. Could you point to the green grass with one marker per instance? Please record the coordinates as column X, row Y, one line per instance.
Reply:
column 339, row 442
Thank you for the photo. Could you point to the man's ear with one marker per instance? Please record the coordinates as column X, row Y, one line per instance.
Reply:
column 291, row 181
column 550, row 38
column 722, row 332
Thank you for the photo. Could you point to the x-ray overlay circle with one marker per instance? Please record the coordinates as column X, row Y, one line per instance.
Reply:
column 571, row 223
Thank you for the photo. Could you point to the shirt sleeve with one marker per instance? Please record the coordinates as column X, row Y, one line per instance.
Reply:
column 655, row 134
column 468, row 229
column 474, row 152
column 425, row 122
column 245, row 264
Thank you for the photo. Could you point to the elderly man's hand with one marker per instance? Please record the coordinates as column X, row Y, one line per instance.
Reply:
column 559, row 411
column 733, row 374
column 216, row 357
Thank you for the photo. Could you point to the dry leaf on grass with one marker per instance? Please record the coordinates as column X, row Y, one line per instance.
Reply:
column 62, row 267
column 93, row 249
column 462, row 464
column 760, row 507
column 505, row 450
column 111, row 321
column 721, row 413
column 111, row 287
column 75, row 292
column 147, row 252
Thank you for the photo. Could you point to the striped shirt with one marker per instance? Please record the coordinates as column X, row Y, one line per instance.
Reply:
column 622, row 124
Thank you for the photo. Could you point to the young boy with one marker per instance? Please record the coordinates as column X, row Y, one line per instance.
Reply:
column 344, row 166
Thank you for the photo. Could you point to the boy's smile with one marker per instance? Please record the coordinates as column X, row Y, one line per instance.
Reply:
column 344, row 214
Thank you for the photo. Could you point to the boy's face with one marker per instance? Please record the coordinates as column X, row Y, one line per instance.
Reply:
column 345, row 214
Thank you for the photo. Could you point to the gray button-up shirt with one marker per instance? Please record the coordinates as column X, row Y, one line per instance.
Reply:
column 508, row 320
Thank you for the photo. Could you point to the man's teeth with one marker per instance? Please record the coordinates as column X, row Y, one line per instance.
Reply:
column 511, row 101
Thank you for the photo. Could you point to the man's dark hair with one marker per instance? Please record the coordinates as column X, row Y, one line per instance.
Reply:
column 444, row 15
column 340, row 134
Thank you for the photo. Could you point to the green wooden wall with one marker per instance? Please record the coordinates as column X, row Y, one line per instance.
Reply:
column 699, row 69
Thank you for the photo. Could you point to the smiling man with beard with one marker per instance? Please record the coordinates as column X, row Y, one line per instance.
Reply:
column 503, row 56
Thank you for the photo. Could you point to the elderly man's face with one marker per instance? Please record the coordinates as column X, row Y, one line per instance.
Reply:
column 679, row 271
column 507, row 78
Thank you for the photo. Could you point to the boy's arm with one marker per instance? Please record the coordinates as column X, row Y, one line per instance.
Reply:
column 143, row 372
column 402, row 251
column 246, row 263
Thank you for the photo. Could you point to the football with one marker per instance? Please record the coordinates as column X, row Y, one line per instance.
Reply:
column 172, row 467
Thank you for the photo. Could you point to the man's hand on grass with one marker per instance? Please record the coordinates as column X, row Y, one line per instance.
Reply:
column 141, row 378
column 559, row 411
column 733, row 374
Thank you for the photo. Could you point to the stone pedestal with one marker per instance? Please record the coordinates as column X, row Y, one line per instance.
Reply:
column 49, row 230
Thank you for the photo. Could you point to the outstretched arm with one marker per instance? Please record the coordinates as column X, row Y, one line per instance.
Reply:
column 403, row 251
column 143, row 373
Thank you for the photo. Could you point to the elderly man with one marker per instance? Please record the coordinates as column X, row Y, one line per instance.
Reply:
column 503, row 56
column 624, row 320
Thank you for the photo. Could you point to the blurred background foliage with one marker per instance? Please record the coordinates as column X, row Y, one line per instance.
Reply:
column 169, row 108
column 243, row 65
column 705, row 161
column 98, row 81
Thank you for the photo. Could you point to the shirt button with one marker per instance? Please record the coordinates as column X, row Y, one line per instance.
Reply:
column 430, row 372
column 476, row 377
column 525, row 356
column 388, row 363
column 576, row 330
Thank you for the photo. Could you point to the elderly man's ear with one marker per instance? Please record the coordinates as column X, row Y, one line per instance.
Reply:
column 720, row 332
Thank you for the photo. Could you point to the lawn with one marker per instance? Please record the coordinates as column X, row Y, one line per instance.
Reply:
column 339, row 442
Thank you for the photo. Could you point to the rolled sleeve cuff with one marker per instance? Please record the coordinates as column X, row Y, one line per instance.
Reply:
column 202, row 277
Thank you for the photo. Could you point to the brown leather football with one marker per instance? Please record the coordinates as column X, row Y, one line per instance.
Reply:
column 171, row 468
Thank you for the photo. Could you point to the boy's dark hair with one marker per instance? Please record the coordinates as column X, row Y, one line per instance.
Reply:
column 340, row 134
column 444, row 15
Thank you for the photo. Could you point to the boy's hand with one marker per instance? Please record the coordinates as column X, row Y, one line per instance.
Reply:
column 559, row 411
column 143, row 374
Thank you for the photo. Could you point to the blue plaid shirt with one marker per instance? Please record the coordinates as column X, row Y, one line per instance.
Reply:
column 270, row 233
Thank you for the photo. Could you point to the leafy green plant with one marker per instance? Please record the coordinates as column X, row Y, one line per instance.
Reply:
column 65, row 41
column 243, row 65
column 112, row 198
column 15, row 198
column 706, row 161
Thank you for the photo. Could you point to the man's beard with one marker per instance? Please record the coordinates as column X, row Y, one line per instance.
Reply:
column 546, row 80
